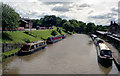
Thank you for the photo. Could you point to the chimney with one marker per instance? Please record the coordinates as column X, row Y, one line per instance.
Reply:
column 111, row 23
column 114, row 22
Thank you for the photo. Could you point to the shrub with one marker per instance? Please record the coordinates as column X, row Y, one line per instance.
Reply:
column 54, row 33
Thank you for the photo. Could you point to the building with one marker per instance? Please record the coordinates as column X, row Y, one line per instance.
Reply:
column 114, row 28
column 26, row 23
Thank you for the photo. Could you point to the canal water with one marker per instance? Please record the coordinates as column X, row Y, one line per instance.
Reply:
column 74, row 55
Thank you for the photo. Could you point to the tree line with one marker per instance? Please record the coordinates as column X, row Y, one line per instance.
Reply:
column 72, row 25
column 10, row 19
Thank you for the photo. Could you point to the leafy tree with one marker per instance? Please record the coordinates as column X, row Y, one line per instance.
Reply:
column 10, row 18
column 62, row 22
column 74, row 23
column 101, row 28
column 68, row 26
column 82, row 27
column 49, row 21
column 58, row 21
column 90, row 27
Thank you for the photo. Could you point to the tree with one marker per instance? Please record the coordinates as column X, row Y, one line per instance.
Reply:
column 58, row 21
column 68, row 26
column 49, row 21
column 74, row 23
column 90, row 27
column 10, row 18
column 62, row 22
column 101, row 28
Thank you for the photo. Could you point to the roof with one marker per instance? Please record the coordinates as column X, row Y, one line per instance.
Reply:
column 24, row 21
column 103, row 46
column 35, row 42
column 94, row 35
column 99, row 39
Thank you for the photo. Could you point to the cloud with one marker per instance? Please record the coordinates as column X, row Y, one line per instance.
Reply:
column 105, row 16
column 90, row 11
column 114, row 9
column 84, row 5
column 99, row 12
column 52, row 3
column 61, row 8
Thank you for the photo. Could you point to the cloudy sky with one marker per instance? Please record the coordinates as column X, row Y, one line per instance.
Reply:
column 97, row 11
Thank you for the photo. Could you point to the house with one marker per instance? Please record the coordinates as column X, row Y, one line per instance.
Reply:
column 114, row 28
column 26, row 23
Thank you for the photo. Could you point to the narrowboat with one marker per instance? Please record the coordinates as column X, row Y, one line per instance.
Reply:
column 93, row 36
column 63, row 36
column 98, row 40
column 31, row 47
column 54, row 39
column 104, row 55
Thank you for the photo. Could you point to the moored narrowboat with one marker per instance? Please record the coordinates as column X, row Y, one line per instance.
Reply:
column 93, row 36
column 63, row 36
column 31, row 47
column 98, row 40
column 54, row 39
column 104, row 54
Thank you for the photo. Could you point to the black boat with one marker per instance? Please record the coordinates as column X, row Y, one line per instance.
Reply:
column 98, row 40
column 31, row 47
column 104, row 55
column 93, row 36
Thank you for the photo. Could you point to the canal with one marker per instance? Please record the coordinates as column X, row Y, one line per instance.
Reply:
column 74, row 55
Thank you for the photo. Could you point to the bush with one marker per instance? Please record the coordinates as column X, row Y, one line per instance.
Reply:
column 27, row 40
column 54, row 33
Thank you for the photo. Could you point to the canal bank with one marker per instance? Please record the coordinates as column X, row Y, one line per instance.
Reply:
column 16, row 39
column 15, row 51
column 74, row 55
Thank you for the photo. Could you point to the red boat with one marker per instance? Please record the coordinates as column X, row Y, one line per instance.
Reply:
column 54, row 39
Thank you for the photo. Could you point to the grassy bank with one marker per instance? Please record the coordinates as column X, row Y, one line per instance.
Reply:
column 32, row 36
column 10, row 52
column 23, row 36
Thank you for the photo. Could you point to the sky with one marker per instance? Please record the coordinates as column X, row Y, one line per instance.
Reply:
column 101, row 12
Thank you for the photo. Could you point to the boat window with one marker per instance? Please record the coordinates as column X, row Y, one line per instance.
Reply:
column 100, row 41
column 43, row 42
column 32, row 47
column 40, row 44
column 106, row 52
column 25, row 47
column 36, row 45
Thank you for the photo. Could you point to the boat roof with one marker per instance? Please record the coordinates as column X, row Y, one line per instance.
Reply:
column 55, row 36
column 94, row 35
column 33, row 43
column 103, row 46
column 99, row 39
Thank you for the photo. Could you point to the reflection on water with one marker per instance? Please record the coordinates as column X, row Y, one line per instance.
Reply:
column 74, row 55
column 105, row 70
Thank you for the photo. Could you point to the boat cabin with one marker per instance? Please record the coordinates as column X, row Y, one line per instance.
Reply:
column 32, row 46
column 105, row 52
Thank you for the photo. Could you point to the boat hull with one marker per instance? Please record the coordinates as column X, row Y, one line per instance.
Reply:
column 53, row 41
column 105, row 62
column 20, row 53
